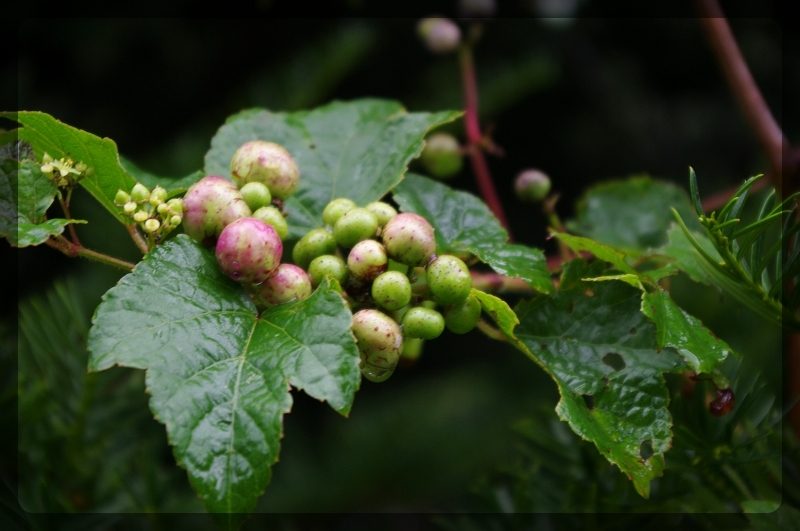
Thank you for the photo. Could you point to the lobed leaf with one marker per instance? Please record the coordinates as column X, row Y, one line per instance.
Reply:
column 358, row 150
column 105, row 175
column 462, row 222
column 219, row 373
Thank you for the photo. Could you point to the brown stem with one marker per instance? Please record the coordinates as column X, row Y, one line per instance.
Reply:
column 494, row 283
column 65, row 207
column 744, row 86
column 137, row 239
column 72, row 250
column 475, row 140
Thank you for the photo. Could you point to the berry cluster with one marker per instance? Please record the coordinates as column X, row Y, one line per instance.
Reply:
column 156, row 215
column 385, row 262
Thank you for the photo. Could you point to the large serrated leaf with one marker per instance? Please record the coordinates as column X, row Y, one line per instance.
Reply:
column 105, row 175
column 219, row 374
column 358, row 150
column 602, row 352
column 631, row 215
column 173, row 185
column 462, row 222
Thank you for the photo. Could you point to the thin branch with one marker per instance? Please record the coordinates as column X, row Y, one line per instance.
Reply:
column 137, row 239
column 475, row 139
column 744, row 86
column 495, row 283
column 73, row 250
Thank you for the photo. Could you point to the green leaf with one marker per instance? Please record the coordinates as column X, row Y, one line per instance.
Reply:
column 499, row 310
column 677, row 329
column 462, row 222
column 25, row 195
column 602, row 252
column 628, row 278
column 105, row 174
column 686, row 257
column 219, row 374
column 631, row 215
column 173, row 185
column 695, row 192
column 358, row 150
column 602, row 353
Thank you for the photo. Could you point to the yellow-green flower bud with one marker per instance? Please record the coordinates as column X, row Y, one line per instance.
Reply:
column 151, row 225
column 141, row 216
column 121, row 198
column 129, row 207
column 140, row 193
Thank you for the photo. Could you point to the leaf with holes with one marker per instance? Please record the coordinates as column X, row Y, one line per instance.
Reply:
column 602, row 352
column 358, row 150
column 104, row 176
column 218, row 372
column 462, row 222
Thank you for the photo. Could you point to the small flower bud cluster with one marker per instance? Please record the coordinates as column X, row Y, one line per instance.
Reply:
column 64, row 171
column 150, row 209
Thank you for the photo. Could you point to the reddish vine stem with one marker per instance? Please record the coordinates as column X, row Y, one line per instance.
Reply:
column 475, row 140
column 137, row 239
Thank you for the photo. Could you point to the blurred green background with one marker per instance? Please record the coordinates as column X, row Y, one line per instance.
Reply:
column 584, row 99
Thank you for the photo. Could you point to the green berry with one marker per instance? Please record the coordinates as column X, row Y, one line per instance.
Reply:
column 267, row 163
column 367, row 260
column 532, row 186
column 379, row 340
column 448, row 279
column 139, row 193
column 462, row 317
column 121, row 198
column 273, row 216
column 315, row 243
column 354, row 226
column 209, row 206
column 392, row 290
column 409, row 239
column 336, row 209
column 327, row 266
column 374, row 374
column 256, row 195
column 287, row 284
column 383, row 211
column 441, row 156
column 423, row 323
column 440, row 35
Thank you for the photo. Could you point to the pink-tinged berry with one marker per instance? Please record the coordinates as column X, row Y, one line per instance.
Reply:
column 367, row 260
column 532, row 185
column 287, row 284
column 249, row 250
column 409, row 239
column 209, row 206
column 440, row 35
column 267, row 163
column 380, row 343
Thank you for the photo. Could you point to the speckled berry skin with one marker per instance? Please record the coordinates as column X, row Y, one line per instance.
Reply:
column 409, row 239
column 367, row 260
column 267, row 163
column 422, row 323
column 380, row 343
column 383, row 211
column 336, row 209
column 462, row 317
column 448, row 279
column 249, row 250
column 287, row 284
column 316, row 242
column 354, row 226
column 327, row 266
column 391, row 290
column 209, row 206
column 273, row 216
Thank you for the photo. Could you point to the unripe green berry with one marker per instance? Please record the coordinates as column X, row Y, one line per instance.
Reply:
column 374, row 374
column 392, row 290
column 462, row 317
column 532, row 185
column 441, row 156
column 151, row 225
column 158, row 196
column 249, row 250
column 209, row 206
column 267, row 163
column 273, row 216
column 409, row 239
column 316, row 242
column 354, row 226
column 383, row 211
column 367, row 260
column 287, row 284
column 175, row 221
column 130, row 207
column 256, row 195
column 327, row 266
column 336, row 209
column 140, row 193
column 121, row 198
column 423, row 323
column 141, row 216
column 440, row 35
column 448, row 279
column 379, row 340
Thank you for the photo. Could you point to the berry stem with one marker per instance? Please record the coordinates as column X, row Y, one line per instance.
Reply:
column 475, row 140
column 137, row 239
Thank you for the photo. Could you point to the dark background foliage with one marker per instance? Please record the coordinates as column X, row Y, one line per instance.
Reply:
column 585, row 100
